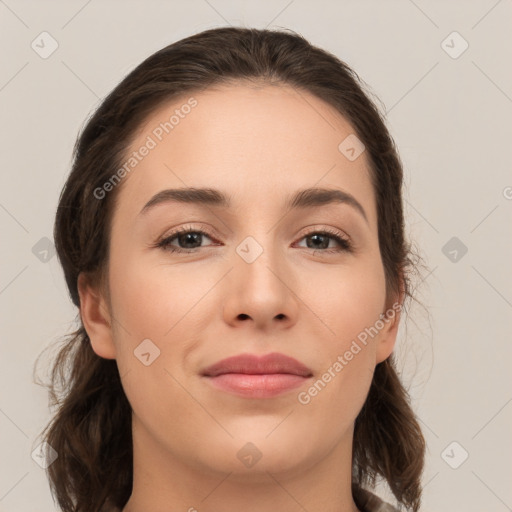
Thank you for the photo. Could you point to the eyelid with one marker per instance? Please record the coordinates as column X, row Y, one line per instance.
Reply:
column 185, row 229
column 345, row 243
column 322, row 228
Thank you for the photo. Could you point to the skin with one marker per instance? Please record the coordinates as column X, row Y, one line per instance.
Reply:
column 257, row 144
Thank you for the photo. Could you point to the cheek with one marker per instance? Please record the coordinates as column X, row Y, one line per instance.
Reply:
column 163, row 304
column 349, row 307
column 177, row 307
column 149, row 299
column 156, row 301
column 347, row 356
column 149, row 306
column 348, row 300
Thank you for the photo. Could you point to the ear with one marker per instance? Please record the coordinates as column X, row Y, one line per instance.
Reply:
column 388, row 334
column 96, row 318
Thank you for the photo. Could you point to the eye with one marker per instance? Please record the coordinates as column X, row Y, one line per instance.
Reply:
column 189, row 236
column 186, row 235
column 321, row 239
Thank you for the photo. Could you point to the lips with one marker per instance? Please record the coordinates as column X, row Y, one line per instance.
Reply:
column 274, row 363
column 251, row 376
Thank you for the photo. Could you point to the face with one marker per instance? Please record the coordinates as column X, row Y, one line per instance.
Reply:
column 253, row 277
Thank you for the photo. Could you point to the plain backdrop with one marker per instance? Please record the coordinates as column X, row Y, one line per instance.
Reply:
column 442, row 71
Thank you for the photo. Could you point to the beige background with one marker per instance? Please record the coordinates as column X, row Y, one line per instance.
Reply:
column 451, row 118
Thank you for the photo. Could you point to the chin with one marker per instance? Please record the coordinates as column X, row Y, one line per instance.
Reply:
column 252, row 457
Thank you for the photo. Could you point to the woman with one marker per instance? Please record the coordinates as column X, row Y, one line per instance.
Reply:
column 232, row 233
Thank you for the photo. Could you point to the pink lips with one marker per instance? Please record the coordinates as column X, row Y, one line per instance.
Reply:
column 258, row 377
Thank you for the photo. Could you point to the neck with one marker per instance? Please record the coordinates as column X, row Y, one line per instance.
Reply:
column 165, row 481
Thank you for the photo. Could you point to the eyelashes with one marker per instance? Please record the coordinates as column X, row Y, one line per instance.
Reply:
column 344, row 245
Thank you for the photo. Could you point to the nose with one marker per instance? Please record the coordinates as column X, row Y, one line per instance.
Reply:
column 260, row 288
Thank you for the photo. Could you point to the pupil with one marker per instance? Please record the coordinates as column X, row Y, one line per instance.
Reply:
column 191, row 235
column 321, row 236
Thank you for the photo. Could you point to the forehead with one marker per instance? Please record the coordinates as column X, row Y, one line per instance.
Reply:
column 256, row 143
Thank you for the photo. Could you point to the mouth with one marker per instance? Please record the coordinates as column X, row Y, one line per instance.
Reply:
column 257, row 386
column 257, row 377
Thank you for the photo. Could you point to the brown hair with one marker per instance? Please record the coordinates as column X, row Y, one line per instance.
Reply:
column 91, row 431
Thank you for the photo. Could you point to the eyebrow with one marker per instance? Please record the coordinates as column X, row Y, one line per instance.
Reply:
column 304, row 198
